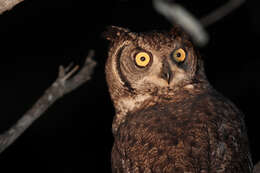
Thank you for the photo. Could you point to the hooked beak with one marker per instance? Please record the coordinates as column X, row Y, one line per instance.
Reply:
column 166, row 73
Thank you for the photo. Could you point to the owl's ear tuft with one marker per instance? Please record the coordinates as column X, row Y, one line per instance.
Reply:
column 177, row 30
column 112, row 33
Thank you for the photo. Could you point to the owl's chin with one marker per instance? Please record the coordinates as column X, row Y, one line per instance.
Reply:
column 169, row 92
column 165, row 92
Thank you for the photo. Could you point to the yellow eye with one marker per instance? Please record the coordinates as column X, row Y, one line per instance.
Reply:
column 142, row 59
column 179, row 55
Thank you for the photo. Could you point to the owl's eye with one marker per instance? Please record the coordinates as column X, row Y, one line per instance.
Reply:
column 142, row 59
column 179, row 55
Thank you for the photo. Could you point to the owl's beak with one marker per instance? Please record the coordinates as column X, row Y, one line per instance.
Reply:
column 166, row 73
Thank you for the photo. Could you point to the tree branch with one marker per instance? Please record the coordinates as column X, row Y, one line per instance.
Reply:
column 8, row 4
column 221, row 12
column 177, row 14
column 195, row 27
column 64, row 84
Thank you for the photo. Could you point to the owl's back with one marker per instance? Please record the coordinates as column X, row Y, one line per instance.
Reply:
column 197, row 133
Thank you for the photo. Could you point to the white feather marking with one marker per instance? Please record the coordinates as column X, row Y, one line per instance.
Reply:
column 189, row 87
column 127, row 104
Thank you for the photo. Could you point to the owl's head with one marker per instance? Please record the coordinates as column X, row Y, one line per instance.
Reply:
column 151, row 63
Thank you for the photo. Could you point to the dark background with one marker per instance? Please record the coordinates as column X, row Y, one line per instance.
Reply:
column 74, row 135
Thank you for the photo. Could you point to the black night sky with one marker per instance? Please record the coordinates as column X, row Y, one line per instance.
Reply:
column 74, row 135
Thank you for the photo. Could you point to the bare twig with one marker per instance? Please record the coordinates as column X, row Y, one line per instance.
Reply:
column 177, row 14
column 221, row 12
column 8, row 4
column 64, row 84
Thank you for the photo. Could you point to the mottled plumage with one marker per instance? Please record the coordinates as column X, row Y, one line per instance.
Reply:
column 168, row 117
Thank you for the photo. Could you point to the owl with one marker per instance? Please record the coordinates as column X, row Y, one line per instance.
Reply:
column 169, row 119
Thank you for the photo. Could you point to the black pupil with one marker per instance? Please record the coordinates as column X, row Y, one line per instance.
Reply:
column 178, row 54
column 142, row 58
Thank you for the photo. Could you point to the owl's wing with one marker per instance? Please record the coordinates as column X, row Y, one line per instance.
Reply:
column 233, row 133
column 231, row 140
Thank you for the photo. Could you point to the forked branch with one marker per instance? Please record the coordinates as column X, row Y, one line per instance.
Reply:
column 64, row 84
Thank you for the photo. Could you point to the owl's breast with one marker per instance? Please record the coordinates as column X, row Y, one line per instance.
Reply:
column 183, row 136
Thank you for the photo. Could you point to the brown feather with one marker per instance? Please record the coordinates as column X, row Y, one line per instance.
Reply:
column 189, row 134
